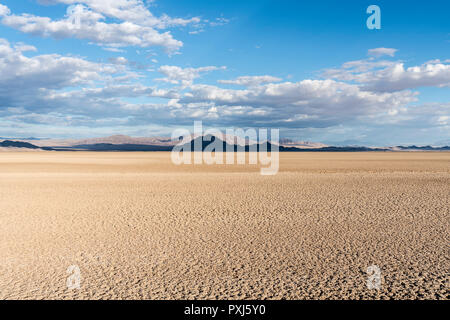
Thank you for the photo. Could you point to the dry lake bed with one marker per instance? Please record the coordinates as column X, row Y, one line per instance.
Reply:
column 81, row 225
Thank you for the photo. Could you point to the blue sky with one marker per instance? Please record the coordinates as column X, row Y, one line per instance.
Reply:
column 312, row 69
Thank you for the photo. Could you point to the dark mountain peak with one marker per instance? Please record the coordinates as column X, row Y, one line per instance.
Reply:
column 17, row 144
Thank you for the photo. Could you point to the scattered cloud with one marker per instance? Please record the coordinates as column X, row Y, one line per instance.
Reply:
column 397, row 77
column 88, row 20
column 184, row 76
column 30, row 83
column 19, row 73
column 305, row 103
column 4, row 10
column 251, row 80
column 219, row 22
column 389, row 76
column 196, row 31
column 134, row 11
column 378, row 52
column 73, row 91
column 114, row 50
column 118, row 60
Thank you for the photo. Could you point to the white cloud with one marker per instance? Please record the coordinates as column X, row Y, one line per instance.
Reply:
column 397, row 77
column 114, row 50
column 28, row 81
column 4, row 10
column 298, row 94
column 134, row 11
column 443, row 120
column 378, row 52
column 196, row 31
column 185, row 76
column 137, row 26
column 251, row 80
column 21, row 47
column 45, row 71
column 118, row 60
column 389, row 76
column 113, row 91
column 433, row 115
column 308, row 103
column 219, row 22
column 77, row 92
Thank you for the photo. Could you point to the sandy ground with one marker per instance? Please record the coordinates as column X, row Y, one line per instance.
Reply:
column 139, row 227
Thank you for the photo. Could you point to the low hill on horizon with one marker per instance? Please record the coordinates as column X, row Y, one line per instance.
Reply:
column 154, row 141
column 126, row 143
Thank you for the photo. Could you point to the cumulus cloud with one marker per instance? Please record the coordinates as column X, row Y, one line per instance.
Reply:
column 51, row 71
column 128, row 10
column 77, row 92
column 389, row 76
column 88, row 20
column 378, row 52
column 397, row 77
column 184, row 76
column 265, row 100
column 26, row 82
column 308, row 102
column 56, row 90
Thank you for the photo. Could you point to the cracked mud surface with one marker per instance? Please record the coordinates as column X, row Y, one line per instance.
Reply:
column 139, row 227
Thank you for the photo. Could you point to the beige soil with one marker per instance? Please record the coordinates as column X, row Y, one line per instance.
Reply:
column 140, row 227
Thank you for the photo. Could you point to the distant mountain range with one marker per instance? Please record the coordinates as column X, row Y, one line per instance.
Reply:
column 424, row 148
column 126, row 143
column 20, row 144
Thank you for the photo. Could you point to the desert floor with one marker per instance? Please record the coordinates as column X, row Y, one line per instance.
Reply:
column 139, row 227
